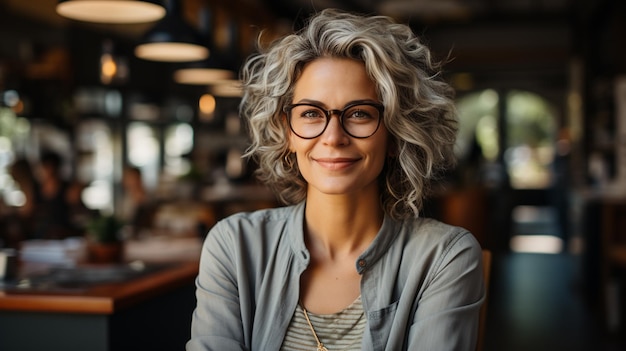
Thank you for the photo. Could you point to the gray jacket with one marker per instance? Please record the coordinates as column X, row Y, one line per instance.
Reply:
column 421, row 284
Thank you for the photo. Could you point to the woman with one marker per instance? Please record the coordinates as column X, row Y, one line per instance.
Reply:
column 349, row 123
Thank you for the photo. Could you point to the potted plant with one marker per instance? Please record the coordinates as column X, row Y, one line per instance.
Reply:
column 104, row 244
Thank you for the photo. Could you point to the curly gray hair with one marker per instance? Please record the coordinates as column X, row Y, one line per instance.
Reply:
column 419, row 108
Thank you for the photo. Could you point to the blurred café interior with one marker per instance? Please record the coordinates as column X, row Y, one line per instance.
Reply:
column 107, row 139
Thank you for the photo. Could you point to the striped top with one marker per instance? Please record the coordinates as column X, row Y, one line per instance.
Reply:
column 337, row 331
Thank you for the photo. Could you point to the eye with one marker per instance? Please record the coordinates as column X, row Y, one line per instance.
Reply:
column 309, row 112
column 361, row 113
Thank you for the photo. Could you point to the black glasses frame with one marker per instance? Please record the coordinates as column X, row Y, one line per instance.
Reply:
column 329, row 113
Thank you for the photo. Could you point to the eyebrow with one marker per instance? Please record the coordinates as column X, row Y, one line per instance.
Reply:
column 321, row 104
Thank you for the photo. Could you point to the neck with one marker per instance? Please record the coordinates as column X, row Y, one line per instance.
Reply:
column 338, row 225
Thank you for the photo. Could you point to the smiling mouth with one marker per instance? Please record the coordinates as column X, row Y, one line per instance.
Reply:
column 336, row 163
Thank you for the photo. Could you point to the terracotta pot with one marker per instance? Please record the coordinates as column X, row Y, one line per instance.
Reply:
column 105, row 252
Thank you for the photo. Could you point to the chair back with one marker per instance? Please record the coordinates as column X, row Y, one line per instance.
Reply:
column 482, row 324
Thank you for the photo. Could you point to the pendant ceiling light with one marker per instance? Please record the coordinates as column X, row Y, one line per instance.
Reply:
column 221, row 64
column 111, row 11
column 172, row 39
column 203, row 73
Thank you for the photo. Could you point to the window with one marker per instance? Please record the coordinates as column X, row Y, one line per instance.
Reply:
column 528, row 143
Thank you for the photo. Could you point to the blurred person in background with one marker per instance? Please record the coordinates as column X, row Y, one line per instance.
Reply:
column 51, row 215
column 136, row 208
column 80, row 215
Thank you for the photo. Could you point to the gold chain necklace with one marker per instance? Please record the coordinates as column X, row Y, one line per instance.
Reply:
column 320, row 346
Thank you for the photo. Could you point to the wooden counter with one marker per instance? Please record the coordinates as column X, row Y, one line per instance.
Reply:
column 149, row 311
column 105, row 298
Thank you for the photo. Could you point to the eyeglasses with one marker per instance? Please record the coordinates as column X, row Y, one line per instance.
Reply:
column 359, row 120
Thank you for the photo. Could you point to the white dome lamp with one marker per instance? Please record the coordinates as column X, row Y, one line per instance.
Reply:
column 172, row 39
column 111, row 11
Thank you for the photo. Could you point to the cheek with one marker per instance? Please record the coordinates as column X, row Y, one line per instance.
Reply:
column 380, row 162
column 383, row 154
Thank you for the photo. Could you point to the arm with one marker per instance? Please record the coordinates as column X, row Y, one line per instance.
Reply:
column 447, row 312
column 217, row 322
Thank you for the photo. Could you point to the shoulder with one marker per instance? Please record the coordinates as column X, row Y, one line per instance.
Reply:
column 255, row 225
column 432, row 249
column 258, row 218
column 251, row 238
column 430, row 235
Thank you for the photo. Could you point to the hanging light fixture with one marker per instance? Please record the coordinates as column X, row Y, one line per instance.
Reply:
column 202, row 76
column 111, row 11
column 172, row 39
column 221, row 64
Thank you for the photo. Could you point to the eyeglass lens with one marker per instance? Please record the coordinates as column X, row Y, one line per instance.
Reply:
column 310, row 121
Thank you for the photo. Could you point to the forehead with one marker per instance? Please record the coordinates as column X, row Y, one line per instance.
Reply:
column 334, row 80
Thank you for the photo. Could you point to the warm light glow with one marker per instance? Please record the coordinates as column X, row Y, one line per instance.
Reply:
column 207, row 104
column 171, row 52
column 202, row 76
column 111, row 11
column 108, row 68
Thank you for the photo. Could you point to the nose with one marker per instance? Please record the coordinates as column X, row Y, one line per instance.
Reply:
column 334, row 133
